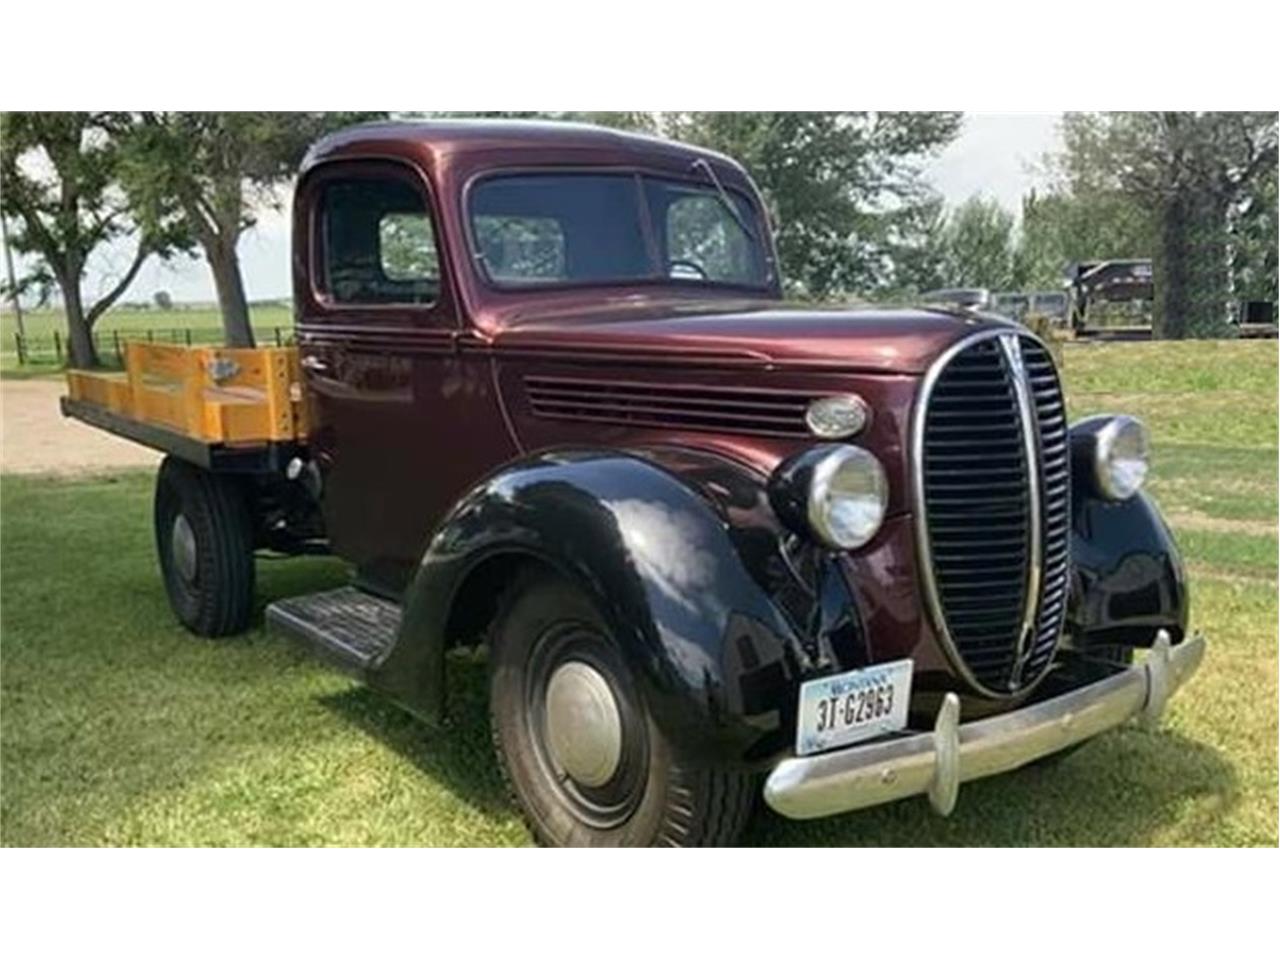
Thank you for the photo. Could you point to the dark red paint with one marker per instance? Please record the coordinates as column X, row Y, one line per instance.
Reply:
column 418, row 404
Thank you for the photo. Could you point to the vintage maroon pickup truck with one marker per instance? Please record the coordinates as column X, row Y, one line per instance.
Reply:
column 548, row 398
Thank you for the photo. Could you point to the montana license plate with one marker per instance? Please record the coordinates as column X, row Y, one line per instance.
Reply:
column 853, row 706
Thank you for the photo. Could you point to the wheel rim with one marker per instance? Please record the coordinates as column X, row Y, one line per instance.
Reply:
column 183, row 548
column 586, row 726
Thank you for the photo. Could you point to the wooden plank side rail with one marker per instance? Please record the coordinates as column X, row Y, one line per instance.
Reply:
column 226, row 395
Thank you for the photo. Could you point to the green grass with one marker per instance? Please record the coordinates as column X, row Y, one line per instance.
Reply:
column 42, row 323
column 119, row 728
column 205, row 324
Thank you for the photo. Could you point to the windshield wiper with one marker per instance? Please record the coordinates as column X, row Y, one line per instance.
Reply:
column 725, row 198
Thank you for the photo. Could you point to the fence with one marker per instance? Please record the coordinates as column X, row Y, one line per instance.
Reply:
column 109, row 344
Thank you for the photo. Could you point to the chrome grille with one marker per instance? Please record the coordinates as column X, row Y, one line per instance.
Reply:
column 992, row 497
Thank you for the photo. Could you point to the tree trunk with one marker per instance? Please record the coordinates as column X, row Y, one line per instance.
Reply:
column 1192, row 269
column 230, row 287
column 79, row 333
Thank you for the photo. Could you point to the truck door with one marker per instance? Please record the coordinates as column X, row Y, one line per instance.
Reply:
column 394, row 401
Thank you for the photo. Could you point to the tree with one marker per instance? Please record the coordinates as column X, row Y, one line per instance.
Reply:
column 218, row 170
column 919, row 252
column 1254, row 242
column 1070, row 222
column 59, row 174
column 844, row 189
column 979, row 246
column 1194, row 172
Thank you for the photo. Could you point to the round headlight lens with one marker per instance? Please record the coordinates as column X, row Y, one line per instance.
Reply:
column 834, row 418
column 1120, row 457
column 848, row 495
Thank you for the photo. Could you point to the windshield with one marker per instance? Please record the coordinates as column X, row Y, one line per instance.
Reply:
column 558, row 229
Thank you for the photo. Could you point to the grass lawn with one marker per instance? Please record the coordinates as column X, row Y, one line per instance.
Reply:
column 205, row 324
column 119, row 728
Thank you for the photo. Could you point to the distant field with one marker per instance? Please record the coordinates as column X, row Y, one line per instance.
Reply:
column 205, row 324
column 121, row 729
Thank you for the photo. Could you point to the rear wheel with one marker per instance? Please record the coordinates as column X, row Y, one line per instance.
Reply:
column 204, row 539
column 587, row 764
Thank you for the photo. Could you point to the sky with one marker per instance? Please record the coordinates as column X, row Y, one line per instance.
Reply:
column 994, row 156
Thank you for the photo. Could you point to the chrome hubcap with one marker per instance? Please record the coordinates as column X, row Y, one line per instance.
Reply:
column 584, row 724
column 183, row 544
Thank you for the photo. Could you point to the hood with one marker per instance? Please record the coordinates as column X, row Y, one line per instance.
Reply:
column 753, row 333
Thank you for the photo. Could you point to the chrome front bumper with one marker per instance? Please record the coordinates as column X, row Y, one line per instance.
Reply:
column 937, row 763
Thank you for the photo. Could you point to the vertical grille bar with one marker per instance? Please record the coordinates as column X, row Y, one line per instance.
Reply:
column 1055, row 498
column 1009, row 343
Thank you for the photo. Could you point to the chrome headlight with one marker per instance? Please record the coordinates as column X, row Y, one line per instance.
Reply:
column 837, row 493
column 1120, row 447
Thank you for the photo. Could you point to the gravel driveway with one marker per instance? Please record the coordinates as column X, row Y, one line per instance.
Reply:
column 36, row 438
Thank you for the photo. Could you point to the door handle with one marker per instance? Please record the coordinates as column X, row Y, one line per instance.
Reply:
column 314, row 364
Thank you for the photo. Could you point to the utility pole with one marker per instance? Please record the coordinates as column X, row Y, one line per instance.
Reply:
column 8, row 262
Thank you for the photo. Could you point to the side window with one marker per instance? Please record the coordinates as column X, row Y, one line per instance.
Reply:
column 376, row 243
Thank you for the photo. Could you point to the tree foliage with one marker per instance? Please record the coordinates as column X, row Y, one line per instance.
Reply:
column 217, row 170
column 845, row 190
column 1194, row 175
column 60, row 184
column 979, row 245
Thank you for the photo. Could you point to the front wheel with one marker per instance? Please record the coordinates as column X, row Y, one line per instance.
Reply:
column 581, row 752
column 204, row 539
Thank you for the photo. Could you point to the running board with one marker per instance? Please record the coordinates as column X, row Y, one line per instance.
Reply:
column 347, row 627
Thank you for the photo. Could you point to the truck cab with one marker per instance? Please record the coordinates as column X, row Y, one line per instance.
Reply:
column 437, row 268
column 548, row 399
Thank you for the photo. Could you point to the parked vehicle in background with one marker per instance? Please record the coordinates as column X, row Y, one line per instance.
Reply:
column 969, row 297
column 547, row 398
column 1049, row 305
column 1108, row 284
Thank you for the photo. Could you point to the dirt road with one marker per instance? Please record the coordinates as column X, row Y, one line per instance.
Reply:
column 36, row 438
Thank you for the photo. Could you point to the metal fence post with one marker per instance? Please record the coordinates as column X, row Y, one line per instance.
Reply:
column 57, row 346
column 115, row 338
column 188, row 332
column 22, row 352
column 276, row 330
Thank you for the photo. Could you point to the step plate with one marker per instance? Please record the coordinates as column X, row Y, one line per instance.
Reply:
column 347, row 626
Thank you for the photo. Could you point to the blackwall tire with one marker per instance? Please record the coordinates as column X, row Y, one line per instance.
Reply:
column 645, row 793
column 204, row 540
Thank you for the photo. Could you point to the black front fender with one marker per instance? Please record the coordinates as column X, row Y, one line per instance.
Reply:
column 667, row 568
column 1128, row 579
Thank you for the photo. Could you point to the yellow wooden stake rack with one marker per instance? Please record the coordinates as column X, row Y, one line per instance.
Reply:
column 214, row 395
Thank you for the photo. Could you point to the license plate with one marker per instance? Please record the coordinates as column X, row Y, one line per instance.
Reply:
column 848, row 707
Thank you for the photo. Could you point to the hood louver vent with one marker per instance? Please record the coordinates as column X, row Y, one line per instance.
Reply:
column 670, row 406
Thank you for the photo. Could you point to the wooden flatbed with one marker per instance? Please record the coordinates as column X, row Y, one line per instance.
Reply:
column 239, row 409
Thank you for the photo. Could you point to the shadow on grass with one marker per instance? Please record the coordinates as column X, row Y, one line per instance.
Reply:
column 1121, row 789
column 458, row 755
